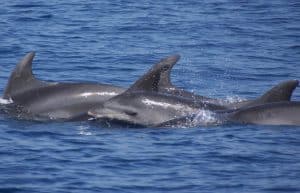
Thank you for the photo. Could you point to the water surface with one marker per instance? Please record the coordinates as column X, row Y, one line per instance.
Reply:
column 229, row 49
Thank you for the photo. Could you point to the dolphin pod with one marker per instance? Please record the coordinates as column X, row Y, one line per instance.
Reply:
column 152, row 101
column 40, row 100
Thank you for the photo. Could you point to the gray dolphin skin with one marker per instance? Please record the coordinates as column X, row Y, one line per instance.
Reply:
column 143, row 104
column 280, row 92
column 42, row 100
column 151, row 100
column 279, row 113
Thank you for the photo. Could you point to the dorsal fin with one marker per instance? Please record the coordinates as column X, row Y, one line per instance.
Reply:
column 165, row 76
column 22, row 79
column 158, row 76
column 281, row 92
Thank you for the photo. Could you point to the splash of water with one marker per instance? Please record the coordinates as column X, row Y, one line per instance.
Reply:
column 234, row 99
column 5, row 101
column 205, row 117
column 84, row 131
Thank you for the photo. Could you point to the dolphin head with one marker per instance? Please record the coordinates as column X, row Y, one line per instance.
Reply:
column 116, row 109
column 140, row 108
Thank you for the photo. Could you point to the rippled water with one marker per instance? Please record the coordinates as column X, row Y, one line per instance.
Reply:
column 229, row 49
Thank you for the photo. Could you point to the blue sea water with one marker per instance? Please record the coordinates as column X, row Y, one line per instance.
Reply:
column 229, row 49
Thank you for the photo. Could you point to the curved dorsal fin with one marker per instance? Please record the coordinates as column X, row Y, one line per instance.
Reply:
column 22, row 79
column 165, row 76
column 158, row 76
column 281, row 92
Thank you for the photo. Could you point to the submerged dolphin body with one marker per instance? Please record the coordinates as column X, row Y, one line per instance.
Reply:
column 42, row 100
column 273, row 108
column 278, row 113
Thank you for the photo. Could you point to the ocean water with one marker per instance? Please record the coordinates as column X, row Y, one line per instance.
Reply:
column 229, row 49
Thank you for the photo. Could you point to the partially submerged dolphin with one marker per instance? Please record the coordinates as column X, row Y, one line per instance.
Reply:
column 280, row 92
column 278, row 113
column 143, row 104
column 40, row 100
column 269, row 113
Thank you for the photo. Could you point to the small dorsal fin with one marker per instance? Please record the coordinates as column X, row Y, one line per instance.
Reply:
column 22, row 79
column 157, row 76
column 281, row 92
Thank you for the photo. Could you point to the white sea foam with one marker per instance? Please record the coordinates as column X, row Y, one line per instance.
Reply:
column 84, row 131
column 233, row 99
column 5, row 101
column 205, row 117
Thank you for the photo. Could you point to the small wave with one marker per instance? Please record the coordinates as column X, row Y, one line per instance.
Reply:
column 84, row 131
column 205, row 117
column 5, row 101
column 234, row 99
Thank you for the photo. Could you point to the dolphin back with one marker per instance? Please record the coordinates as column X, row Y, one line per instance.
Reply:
column 278, row 113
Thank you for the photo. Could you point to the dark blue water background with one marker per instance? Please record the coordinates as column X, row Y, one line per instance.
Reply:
column 229, row 49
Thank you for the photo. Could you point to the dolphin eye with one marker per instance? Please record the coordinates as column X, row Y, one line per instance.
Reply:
column 130, row 113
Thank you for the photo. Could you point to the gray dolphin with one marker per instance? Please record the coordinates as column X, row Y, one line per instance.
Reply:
column 42, row 100
column 143, row 104
column 269, row 113
column 51, row 100
column 280, row 92
column 278, row 113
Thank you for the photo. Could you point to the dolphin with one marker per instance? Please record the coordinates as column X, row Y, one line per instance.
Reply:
column 41, row 100
column 142, row 104
column 277, row 113
column 280, row 92
column 273, row 108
